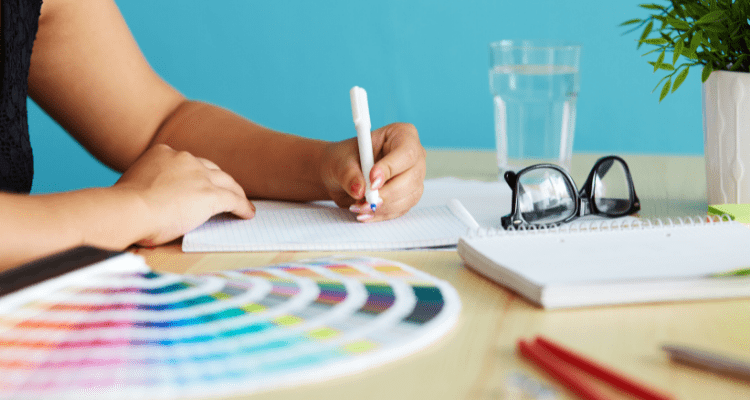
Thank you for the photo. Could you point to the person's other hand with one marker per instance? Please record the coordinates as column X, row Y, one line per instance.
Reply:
column 180, row 192
column 398, row 173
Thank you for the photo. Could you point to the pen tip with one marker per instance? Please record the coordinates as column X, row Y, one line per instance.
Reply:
column 373, row 207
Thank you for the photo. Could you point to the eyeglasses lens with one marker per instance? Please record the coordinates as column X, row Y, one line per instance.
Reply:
column 611, row 188
column 544, row 196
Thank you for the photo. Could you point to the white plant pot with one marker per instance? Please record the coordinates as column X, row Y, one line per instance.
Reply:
column 726, row 134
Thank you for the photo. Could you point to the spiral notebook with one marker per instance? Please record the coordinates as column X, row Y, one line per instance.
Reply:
column 609, row 262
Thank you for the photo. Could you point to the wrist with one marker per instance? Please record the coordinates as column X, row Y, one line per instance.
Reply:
column 144, row 219
column 118, row 217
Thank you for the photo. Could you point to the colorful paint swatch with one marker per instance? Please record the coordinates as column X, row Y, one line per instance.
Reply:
column 161, row 335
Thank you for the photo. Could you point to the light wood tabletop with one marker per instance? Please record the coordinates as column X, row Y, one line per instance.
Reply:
column 476, row 360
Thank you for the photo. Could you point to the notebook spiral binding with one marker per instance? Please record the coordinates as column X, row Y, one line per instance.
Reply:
column 604, row 225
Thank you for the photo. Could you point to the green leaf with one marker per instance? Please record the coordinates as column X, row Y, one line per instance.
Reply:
column 713, row 28
column 706, row 72
column 690, row 55
column 665, row 90
column 737, row 65
column 696, row 41
column 659, row 61
column 736, row 32
column 631, row 22
column 678, row 24
column 645, row 33
column 677, row 50
column 695, row 10
column 710, row 17
column 652, row 7
column 666, row 67
column 655, row 41
column 680, row 78
column 741, row 59
column 659, row 83
column 680, row 11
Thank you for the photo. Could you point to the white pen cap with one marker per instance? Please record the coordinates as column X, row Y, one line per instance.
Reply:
column 360, row 109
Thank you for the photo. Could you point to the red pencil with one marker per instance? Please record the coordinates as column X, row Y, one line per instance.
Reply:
column 558, row 361
column 564, row 373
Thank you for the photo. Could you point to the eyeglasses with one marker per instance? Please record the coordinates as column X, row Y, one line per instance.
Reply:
column 545, row 195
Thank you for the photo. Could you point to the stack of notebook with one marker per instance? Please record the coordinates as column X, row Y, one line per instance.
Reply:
column 611, row 262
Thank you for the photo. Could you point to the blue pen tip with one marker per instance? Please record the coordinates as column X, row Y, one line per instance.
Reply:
column 373, row 207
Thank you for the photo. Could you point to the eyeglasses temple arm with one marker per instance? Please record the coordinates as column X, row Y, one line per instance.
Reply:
column 510, row 178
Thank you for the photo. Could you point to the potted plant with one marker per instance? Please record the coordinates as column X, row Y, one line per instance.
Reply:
column 714, row 35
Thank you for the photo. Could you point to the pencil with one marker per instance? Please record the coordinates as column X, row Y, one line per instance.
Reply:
column 602, row 372
column 709, row 361
column 571, row 368
column 565, row 374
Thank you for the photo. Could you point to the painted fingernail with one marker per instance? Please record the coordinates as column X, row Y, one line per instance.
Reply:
column 354, row 208
column 364, row 217
column 377, row 183
column 355, row 188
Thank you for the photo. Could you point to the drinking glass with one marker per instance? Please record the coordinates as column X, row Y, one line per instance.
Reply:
column 535, row 85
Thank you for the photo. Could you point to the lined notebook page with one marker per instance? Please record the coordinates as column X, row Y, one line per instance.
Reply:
column 322, row 227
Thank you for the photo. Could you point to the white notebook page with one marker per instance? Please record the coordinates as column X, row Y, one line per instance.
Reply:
column 321, row 227
column 485, row 201
column 638, row 253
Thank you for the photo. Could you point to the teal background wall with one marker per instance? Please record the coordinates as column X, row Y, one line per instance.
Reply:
column 289, row 65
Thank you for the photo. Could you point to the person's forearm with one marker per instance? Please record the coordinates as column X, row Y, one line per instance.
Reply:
column 266, row 163
column 38, row 225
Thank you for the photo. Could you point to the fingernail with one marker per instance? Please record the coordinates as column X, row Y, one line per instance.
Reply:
column 354, row 208
column 364, row 217
column 355, row 188
column 377, row 183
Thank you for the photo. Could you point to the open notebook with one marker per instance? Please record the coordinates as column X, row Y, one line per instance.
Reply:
column 328, row 228
column 437, row 221
column 610, row 262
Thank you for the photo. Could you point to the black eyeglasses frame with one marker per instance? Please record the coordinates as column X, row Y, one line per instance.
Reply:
column 515, row 220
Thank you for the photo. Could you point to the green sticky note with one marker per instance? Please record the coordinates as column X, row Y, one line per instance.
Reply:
column 736, row 272
column 738, row 212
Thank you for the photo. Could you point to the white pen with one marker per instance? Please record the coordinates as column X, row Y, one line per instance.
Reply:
column 361, row 114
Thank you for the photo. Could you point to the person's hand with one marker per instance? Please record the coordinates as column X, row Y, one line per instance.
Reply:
column 180, row 192
column 398, row 173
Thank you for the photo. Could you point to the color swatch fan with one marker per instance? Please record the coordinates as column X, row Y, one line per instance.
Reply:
column 127, row 332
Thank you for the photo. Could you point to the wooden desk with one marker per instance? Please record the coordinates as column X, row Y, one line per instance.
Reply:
column 474, row 360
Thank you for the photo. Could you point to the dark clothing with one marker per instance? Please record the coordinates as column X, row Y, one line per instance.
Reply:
column 20, row 20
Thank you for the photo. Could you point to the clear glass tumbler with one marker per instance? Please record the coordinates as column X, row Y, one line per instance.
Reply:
column 535, row 85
